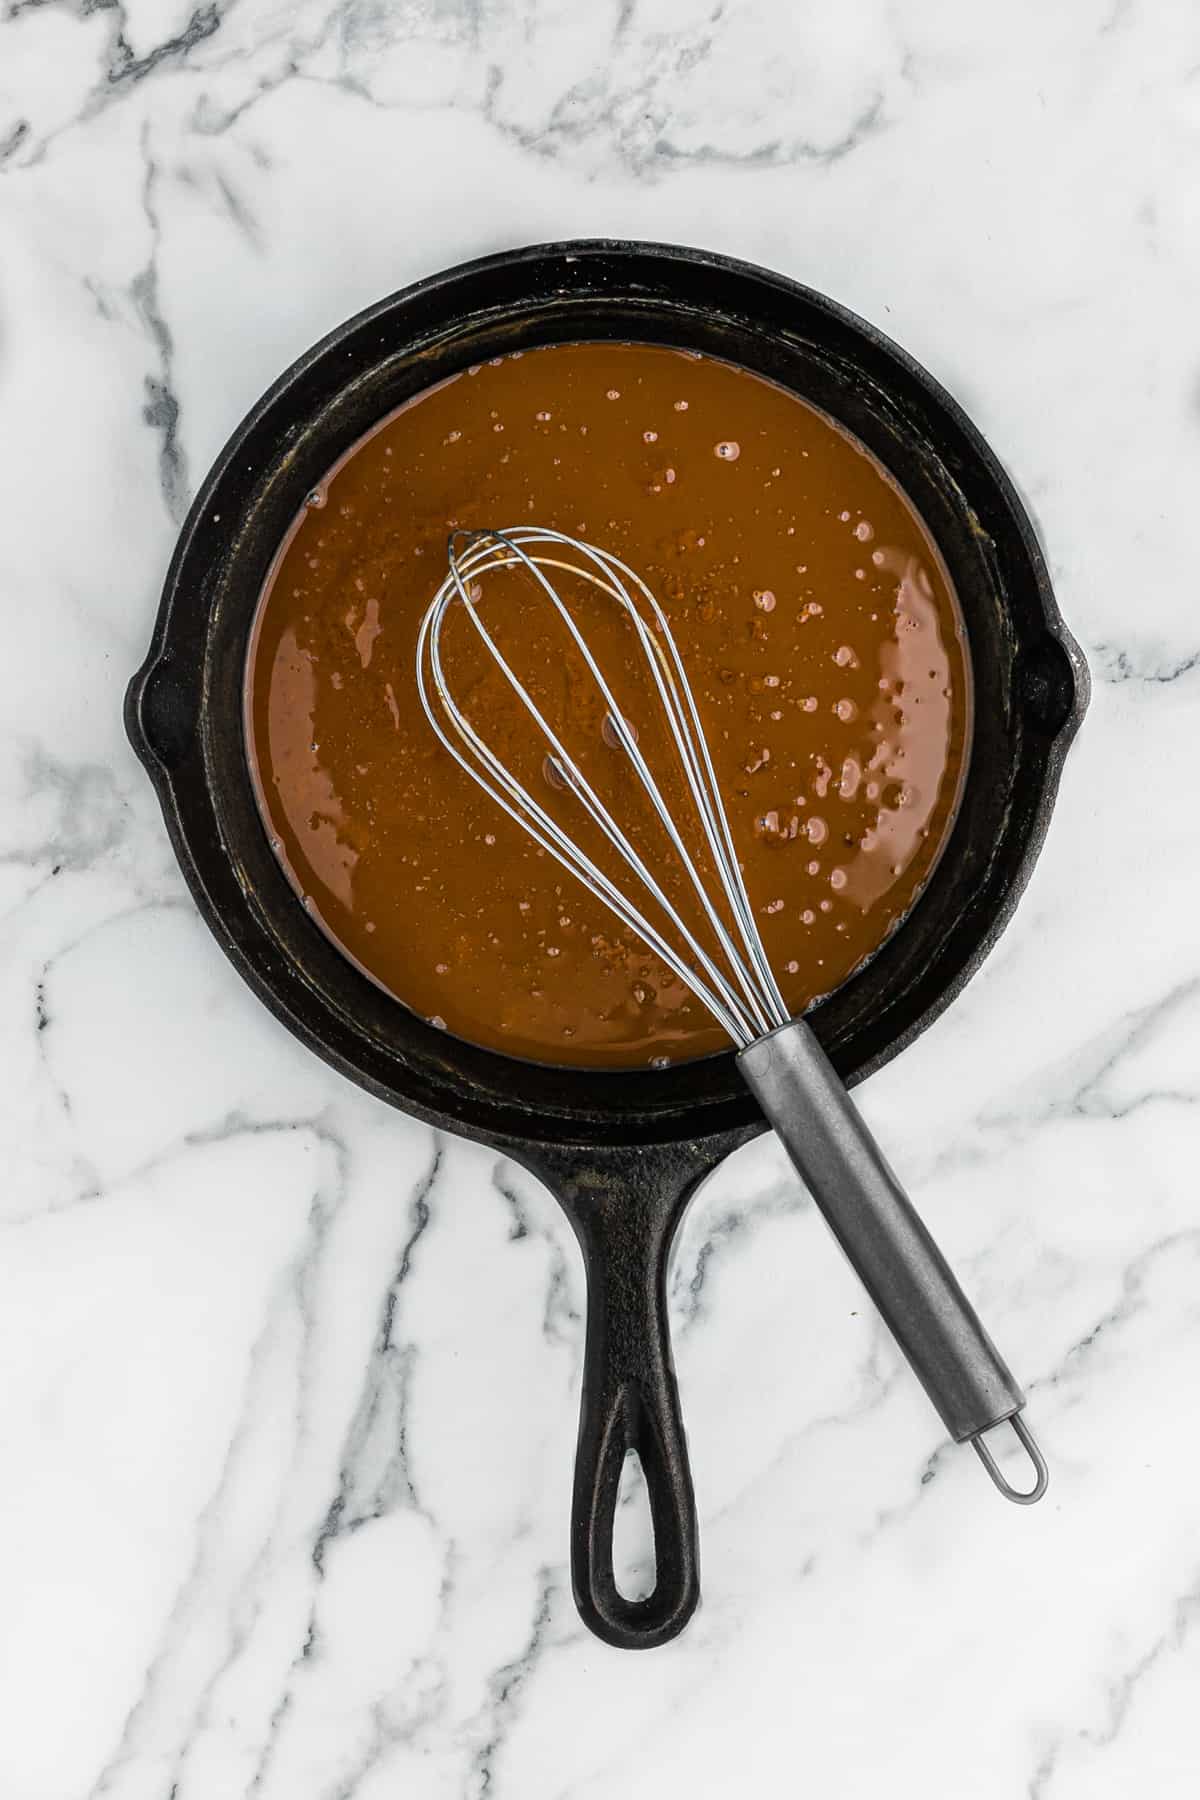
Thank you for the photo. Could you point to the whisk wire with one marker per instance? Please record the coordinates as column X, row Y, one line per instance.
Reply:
column 514, row 799
column 528, row 812
column 610, row 583
column 749, row 1005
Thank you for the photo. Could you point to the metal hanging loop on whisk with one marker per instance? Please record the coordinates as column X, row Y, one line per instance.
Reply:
column 779, row 1057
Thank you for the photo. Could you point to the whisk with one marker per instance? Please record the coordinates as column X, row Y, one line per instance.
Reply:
column 779, row 1057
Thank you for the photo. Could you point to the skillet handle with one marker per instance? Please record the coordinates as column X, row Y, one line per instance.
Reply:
column 631, row 1403
column 625, row 1204
column 887, row 1243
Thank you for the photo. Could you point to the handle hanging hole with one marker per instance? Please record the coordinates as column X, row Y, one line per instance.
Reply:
column 635, row 1568
column 1025, row 1437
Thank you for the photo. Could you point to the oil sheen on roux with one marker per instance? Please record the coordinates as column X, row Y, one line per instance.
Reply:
column 812, row 612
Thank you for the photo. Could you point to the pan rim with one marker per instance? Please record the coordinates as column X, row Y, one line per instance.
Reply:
column 447, row 1089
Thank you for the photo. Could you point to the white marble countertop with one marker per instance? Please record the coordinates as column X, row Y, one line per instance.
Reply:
column 289, row 1389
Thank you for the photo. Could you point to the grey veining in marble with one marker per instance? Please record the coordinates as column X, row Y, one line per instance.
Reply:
column 289, row 1389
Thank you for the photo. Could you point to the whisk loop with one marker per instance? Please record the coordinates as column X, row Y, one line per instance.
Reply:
column 740, row 989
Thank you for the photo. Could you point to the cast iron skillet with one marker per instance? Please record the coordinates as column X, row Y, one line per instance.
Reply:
column 621, row 1150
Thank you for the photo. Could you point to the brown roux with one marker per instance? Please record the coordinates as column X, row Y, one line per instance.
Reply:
column 813, row 614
